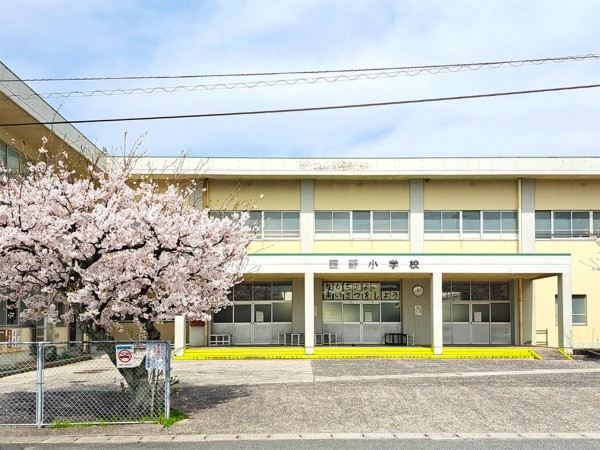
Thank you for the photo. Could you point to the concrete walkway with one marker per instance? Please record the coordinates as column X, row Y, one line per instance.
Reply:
column 368, row 398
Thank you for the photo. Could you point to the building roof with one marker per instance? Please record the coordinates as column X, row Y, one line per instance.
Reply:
column 379, row 168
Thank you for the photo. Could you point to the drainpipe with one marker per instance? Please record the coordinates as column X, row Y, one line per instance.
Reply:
column 520, row 215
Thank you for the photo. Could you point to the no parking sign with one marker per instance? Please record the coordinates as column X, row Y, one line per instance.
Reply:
column 124, row 355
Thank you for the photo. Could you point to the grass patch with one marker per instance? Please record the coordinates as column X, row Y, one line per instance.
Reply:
column 176, row 415
column 66, row 424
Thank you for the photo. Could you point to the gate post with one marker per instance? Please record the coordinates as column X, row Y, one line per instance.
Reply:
column 39, row 391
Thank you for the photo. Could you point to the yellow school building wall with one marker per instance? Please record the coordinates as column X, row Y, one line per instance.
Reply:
column 274, row 247
column 584, row 281
column 568, row 195
column 471, row 195
column 356, row 195
column 362, row 247
column 277, row 195
column 478, row 246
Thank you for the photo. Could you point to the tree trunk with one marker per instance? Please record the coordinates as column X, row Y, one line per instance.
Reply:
column 142, row 387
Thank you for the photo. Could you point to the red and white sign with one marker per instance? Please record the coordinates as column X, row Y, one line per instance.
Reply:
column 125, row 356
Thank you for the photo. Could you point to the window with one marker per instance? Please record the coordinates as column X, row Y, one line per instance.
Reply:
column 270, row 301
column 10, row 158
column 471, row 224
column 579, row 307
column 361, row 224
column 270, row 224
column 566, row 224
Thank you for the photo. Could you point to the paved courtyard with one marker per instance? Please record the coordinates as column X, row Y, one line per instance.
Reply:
column 376, row 396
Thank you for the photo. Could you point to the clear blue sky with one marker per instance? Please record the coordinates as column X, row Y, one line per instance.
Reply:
column 70, row 38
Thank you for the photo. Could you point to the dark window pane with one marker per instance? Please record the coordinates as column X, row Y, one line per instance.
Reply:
column 224, row 316
column 500, row 312
column 242, row 292
column 341, row 222
column 262, row 313
column 509, row 221
column 390, row 312
column 361, row 221
column 581, row 223
column 399, row 222
column 433, row 221
column 450, row 221
column 491, row 222
column 471, row 221
column 282, row 291
column 481, row 312
column 499, row 291
column 562, row 223
column 323, row 222
column 261, row 291
column 242, row 313
column 381, row 221
column 282, row 312
column 461, row 291
column 542, row 225
column 480, row 291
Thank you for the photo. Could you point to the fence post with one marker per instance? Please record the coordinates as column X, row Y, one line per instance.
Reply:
column 39, row 394
column 168, row 381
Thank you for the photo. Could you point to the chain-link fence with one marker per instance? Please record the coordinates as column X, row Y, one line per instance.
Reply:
column 44, row 383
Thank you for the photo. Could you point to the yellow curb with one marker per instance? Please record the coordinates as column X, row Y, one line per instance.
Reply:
column 342, row 352
column 565, row 354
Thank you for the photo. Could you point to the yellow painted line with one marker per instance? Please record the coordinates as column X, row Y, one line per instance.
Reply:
column 341, row 352
column 565, row 354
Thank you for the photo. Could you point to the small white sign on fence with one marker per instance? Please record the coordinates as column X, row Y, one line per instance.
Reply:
column 156, row 355
column 125, row 355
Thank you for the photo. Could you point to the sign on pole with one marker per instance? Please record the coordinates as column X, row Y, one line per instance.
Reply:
column 156, row 356
column 125, row 355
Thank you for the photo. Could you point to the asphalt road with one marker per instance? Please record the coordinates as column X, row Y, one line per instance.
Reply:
column 413, row 444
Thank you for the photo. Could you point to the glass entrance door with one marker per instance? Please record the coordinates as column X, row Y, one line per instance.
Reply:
column 361, row 323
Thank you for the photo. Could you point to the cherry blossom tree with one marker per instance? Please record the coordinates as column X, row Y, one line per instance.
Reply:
column 111, row 248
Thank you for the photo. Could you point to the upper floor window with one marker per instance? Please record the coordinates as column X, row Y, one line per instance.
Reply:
column 566, row 224
column 361, row 224
column 270, row 224
column 10, row 158
column 471, row 224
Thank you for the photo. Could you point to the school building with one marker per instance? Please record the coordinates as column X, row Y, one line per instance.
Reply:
column 356, row 251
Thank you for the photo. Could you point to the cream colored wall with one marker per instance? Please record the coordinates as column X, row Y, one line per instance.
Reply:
column 567, row 195
column 471, row 195
column 471, row 246
column 584, row 281
column 362, row 247
column 274, row 247
column 235, row 194
column 361, row 195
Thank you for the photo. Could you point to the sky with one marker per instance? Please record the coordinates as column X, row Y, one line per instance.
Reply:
column 108, row 38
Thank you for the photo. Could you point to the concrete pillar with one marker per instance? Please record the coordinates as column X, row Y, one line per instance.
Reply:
column 528, row 311
column 307, row 216
column 179, row 335
column 527, row 217
column 309, row 313
column 437, row 325
column 565, row 314
column 416, row 216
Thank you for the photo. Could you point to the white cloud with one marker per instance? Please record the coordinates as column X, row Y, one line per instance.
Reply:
column 74, row 38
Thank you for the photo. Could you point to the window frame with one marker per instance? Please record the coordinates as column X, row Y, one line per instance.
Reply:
column 349, row 232
column 260, row 225
column 443, row 233
column 593, row 224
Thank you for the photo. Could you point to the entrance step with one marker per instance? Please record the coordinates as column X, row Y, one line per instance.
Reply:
column 211, row 353
column 551, row 354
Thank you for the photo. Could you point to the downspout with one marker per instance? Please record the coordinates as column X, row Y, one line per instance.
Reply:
column 520, row 300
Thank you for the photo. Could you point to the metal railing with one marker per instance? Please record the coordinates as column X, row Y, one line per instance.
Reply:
column 45, row 383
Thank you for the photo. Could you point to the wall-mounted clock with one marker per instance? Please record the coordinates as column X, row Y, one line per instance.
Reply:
column 418, row 290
